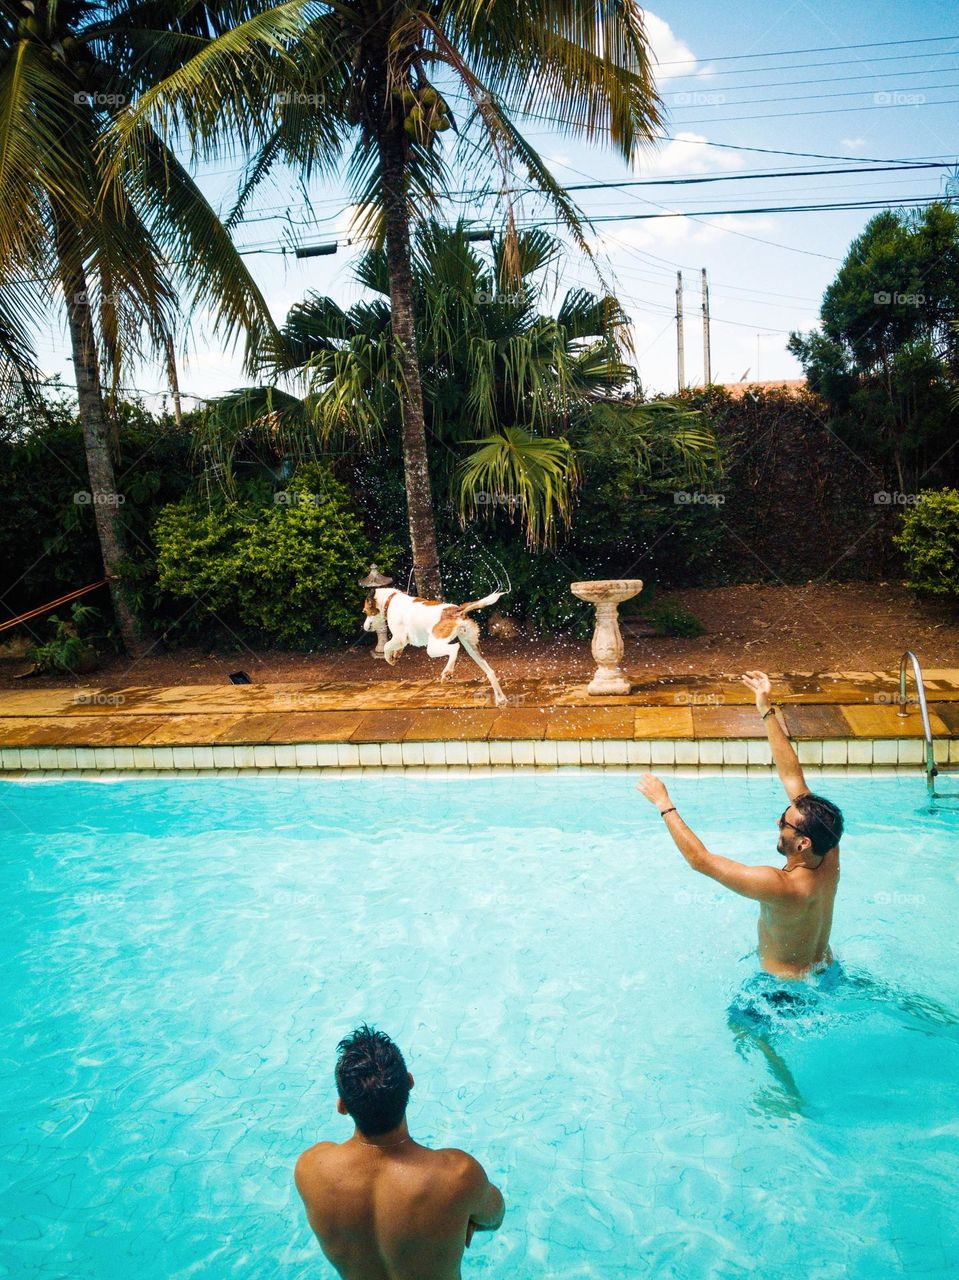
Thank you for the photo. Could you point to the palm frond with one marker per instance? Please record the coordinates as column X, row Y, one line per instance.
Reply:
column 39, row 126
column 216, row 98
column 198, row 247
column 529, row 477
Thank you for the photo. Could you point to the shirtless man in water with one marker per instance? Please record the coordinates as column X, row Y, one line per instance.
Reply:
column 795, row 901
column 382, row 1206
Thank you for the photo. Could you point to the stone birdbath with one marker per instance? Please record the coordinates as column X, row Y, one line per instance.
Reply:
column 606, row 596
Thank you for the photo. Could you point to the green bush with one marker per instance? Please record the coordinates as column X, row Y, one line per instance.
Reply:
column 48, row 538
column 283, row 566
column 67, row 650
column 929, row 540
column 673, row 620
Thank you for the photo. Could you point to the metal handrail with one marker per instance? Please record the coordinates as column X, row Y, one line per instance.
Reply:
column 931, row 770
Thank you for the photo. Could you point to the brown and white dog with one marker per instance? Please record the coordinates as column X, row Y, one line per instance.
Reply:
column 430, row 624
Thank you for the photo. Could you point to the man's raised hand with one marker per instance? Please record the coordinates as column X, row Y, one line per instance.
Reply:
column 761, row 686
column 654, row 790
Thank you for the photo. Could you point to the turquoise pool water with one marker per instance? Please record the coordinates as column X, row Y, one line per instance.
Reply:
column 180, row 957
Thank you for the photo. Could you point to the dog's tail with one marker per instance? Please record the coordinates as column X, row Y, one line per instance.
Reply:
column 481, row 604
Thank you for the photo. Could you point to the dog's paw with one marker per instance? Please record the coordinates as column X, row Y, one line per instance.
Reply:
column 500, row 701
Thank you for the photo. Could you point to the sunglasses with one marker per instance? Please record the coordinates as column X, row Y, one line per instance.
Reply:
column 781, row 822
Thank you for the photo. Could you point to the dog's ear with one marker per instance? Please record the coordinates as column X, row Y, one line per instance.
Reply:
column 369, row 604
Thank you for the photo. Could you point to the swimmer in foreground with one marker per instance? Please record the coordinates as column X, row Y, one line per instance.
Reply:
column 382, row 1206
column 796, row 901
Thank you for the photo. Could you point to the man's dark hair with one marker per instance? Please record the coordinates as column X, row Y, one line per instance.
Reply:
column 372, row 1080
column 821, row 822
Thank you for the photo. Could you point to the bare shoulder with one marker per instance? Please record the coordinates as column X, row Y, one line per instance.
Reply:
column 461, row 1169
column 312, row 1161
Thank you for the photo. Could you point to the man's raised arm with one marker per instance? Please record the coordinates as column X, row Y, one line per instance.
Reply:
column 763, row 884
column 787, row 762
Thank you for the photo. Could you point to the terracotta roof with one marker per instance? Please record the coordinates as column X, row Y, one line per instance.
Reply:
column 793, row 386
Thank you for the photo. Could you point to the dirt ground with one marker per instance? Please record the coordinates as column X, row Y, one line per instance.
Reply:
column 831, row 627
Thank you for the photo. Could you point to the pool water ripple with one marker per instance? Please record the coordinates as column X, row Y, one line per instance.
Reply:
column 180, row 957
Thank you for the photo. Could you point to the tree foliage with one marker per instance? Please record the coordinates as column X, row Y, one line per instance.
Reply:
column 886, row 356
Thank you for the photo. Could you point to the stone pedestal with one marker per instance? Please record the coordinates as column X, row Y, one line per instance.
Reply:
column 606, row 596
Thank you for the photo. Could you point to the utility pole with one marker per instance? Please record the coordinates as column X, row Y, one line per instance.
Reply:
column 680, row 356
column 707, row 362
column 172, row 380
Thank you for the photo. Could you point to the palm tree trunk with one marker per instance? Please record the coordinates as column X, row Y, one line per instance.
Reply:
column 96, row 433
column 419, row 500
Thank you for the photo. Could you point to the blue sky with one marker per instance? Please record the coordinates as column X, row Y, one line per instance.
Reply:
column 727, row 76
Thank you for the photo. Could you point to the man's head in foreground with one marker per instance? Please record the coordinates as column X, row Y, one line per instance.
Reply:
column 809, row 827
column 372, row 1081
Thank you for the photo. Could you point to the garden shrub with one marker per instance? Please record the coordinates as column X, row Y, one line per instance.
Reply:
column 283, row 566
column 671, row 619
column 929, row 541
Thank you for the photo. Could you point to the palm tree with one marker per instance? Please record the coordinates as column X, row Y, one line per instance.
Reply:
column 117, row 265
column 515, row 400
column 364, row 85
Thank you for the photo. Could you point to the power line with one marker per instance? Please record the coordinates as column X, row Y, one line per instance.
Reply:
column 715, row 213
column 806, row 66
column 776, row 151
column 826, row 48
column 470, row 194
column 824, row 111
column 698, row 179
column 869, row 75
column 917, row 90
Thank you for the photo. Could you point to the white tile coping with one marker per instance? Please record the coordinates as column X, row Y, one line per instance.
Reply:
column 707, row 753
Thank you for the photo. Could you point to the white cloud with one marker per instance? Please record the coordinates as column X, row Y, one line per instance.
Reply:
column 687, row 152
column 668, row 50
column 667, row 232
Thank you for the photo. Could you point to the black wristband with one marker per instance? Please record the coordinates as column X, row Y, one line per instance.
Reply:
column 663, row 812
column 769, row 712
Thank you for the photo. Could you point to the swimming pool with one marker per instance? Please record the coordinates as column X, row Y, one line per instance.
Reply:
column 180, row 957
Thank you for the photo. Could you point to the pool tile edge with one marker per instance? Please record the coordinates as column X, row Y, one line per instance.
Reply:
column 704, row 754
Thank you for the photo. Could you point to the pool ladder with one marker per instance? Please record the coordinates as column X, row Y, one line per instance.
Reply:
column 933, row 770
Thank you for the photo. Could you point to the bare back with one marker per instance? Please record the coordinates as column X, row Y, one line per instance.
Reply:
column 794, row 930
column 400, row 1214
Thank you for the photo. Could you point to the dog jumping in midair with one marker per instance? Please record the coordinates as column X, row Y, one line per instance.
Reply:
column 439, row 628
